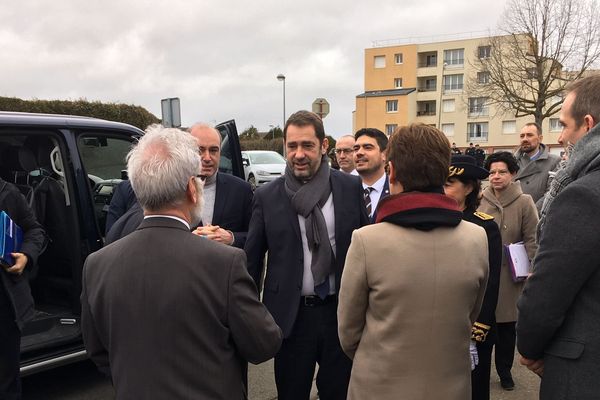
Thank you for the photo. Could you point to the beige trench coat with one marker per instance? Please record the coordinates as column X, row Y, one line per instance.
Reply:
column 517, row 218
column 407, row 301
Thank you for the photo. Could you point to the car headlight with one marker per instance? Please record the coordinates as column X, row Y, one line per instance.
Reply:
column 261, row 172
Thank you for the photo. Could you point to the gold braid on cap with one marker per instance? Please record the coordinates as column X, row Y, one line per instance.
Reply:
column 455, row 171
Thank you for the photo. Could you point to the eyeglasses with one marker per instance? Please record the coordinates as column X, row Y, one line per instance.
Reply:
column 201, row 177
column 345, row 151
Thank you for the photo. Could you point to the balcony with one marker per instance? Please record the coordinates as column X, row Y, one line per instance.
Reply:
column 427, row 59
column 427, row 88
column 427, row 64
column 425, row 113
column 479, row 111
column 426, row 108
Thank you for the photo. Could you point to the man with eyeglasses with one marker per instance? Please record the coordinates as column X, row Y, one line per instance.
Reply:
column 344, row 154
column 227, row 199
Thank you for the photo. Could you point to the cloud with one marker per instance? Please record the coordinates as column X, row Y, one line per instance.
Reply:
column 220, row 57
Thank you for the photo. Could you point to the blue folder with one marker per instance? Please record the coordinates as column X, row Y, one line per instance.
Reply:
column 11, row 239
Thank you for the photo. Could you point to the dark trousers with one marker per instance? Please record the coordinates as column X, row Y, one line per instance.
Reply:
column 313, row 340
column 480, row 376
column 505, row 348
column 10, row 343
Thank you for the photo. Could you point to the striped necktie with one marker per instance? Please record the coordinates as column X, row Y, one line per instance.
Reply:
column 367, row 192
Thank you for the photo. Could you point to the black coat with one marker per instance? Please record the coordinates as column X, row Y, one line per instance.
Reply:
column 487, row 315
column 559, row 310
column 275, row 227
column 17, row 286
column 232, row 211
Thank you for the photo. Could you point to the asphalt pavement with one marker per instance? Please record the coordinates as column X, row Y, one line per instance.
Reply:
column 82, row 381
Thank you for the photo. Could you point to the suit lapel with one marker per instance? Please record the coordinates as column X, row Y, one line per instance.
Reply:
column 221, row 194
column 531, row 169
column 291, row 214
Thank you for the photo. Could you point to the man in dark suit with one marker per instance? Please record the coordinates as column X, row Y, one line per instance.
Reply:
column 369, row 159
column 168, row 314
column 305, row 221
column 558, row 329
column 227, row 199
column 16, row 303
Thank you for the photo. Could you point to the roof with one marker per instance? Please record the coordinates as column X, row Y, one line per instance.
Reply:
column 384, row 93
column 9, row 118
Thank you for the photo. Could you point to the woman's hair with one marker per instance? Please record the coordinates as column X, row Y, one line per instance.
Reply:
column 420, row 155
column 505, row 157
column 472, row 200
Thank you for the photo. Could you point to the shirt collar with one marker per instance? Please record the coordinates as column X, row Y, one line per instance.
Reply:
column 378, row 185
column 170, row 216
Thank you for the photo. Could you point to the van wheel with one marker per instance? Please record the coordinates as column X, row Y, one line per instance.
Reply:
column 252, row 182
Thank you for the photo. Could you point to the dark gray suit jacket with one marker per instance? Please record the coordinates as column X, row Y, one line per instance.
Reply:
column 274, row 227
column 170, row 315
column 559, row 310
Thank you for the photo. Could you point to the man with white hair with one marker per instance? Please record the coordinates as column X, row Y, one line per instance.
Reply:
column 168, row 314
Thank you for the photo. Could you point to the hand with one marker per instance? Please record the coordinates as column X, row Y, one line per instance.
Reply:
column 216, row 233
column 20, row 263
column 474, row 355
column 536, row 366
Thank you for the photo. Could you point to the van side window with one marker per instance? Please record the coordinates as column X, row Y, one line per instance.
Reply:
column 103, row 159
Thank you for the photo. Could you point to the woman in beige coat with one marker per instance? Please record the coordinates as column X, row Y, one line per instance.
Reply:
column 408, row 296
column 516, row 215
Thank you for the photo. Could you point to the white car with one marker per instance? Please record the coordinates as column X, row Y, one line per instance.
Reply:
column 262, row 166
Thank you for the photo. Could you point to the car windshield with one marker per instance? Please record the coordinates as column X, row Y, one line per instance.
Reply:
column 268, row 157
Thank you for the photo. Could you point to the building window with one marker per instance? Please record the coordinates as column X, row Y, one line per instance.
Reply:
column 390, row 128
column 398, row 83
column 477, row 131
column 555, row 125
column 531, row 73
column 509, row 126
column 391, row 106
column 484, row 51
column 379, row 62
column 448, row 105
column 454, row 57
column 478, row 106
column 398, row 58
column 448, row 129
column 453, row 82
column 483, row 77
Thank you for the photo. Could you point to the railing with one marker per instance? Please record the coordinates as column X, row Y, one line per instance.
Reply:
column 479, row 111
column 477, row 137
column 426, row 89
column 453, row 86
column 459, row 62
column 435, row 38
column 424, row 113
column 427, row 64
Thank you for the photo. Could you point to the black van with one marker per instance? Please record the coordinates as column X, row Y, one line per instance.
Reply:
column 67, row 167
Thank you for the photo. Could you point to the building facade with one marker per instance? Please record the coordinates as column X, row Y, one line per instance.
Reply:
column 429, row 83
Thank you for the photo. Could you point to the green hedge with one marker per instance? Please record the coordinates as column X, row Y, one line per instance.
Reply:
column 129, row 114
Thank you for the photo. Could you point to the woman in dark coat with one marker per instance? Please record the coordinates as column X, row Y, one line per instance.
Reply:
column 16, row 303
column 464, row 185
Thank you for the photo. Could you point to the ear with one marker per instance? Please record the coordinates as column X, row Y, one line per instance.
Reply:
column 324, row 146
column 191, row 192
column 392, row 172
column 589, row 122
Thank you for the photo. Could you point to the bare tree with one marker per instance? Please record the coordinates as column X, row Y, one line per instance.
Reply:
column 543, row 45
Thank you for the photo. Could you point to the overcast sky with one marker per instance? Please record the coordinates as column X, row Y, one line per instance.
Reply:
column 221, row 58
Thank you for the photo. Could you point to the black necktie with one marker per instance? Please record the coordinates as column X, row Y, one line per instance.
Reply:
column 368, row 191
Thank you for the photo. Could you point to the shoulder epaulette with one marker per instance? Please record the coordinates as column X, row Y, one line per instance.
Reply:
column 483, row 216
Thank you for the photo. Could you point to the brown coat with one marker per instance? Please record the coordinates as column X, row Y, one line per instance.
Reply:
column 517, row 218
column 407, row 301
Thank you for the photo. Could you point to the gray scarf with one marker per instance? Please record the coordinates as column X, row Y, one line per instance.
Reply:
column 307, row 200
column 584, row 157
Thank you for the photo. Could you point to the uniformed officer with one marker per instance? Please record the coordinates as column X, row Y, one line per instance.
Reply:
column 464, row 185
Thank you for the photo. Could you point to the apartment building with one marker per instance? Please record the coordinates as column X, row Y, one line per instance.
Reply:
column 429, row 83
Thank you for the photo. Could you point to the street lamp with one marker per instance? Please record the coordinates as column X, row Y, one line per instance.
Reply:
column 281, row 78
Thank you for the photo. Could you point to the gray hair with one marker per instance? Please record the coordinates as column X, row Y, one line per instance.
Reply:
column 160, row 166
column 203, row 125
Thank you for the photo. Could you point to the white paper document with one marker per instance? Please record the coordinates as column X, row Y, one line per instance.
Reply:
column 517, row 260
